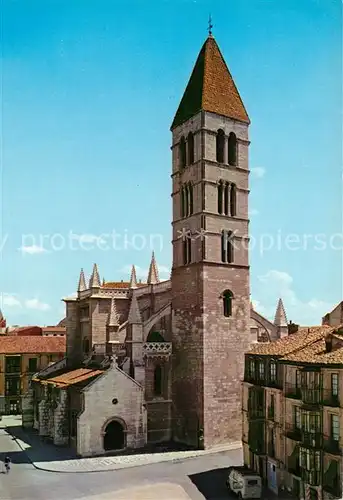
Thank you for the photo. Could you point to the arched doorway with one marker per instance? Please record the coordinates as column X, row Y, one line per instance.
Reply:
column 114, row 436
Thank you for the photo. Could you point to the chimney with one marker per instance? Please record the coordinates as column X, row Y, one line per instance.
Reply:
column 292, row 328
column 328, row 344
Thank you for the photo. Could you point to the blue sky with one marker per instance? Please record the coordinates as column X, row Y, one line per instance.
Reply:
column 89, row 90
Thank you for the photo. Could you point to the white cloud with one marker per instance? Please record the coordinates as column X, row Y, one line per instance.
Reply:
column 258, row 172
column 36, row 304
column 32, row 249
column 279, row 284
column 253, row 212
column 10, row 300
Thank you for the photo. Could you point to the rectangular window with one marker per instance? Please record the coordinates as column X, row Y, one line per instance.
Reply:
column 297, row 417
column 334, row 384
column 33, row 365
column 335, row 427
column 309, row 460
column 298, row 379
column 311, row 422
column 261, row 370
column 252, row 368
column 272, row 371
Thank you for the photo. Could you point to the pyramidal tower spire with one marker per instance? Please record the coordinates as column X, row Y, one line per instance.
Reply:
column 133, row 278
column 210, row 88
column 153, row 271
column 94, row 281
column 280, row 315
column 82, row 282
column 134, row 312
column 113, row 317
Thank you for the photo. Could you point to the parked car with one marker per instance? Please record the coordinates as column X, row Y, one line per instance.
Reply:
column 244, row 482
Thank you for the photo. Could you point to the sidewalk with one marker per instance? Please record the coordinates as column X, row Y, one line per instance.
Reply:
column 49, row 458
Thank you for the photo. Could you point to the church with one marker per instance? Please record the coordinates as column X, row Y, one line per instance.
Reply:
column 163, row 361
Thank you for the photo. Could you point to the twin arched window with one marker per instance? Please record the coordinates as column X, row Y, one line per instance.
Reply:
column 227, row 247
column 227, row 303
column 186, row 193
column 187, row 150
column 227, row 198
column 231, row 148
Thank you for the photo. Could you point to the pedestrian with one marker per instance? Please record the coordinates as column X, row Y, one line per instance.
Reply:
column 7, row 463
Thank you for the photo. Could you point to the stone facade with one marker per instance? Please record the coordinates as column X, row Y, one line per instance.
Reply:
column 163, row 360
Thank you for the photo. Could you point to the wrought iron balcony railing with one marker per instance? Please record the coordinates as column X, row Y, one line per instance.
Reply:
column 311, row 477
column 312, row 439
column 312, row 396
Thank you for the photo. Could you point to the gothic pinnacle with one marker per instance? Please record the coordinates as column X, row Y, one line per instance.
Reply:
column 82, row 282
column 133, row 278
column 94, row 281
column 153, row 271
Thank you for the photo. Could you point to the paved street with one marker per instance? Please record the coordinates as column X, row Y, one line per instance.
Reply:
column 192, row 479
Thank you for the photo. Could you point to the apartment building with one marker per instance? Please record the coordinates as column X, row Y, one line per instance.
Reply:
column 292, row 412
column 21, row 356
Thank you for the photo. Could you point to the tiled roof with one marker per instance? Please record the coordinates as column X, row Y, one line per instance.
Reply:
column 60, row 329
column 32, row 344
column 292, row 343
column 120, row 284
column 72, row 377
column 316, row 353
column 210, row 88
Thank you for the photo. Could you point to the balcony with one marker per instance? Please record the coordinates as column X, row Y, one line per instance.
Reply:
column 157, row 349
column 332, row 446
column 330, row 399
column 292, row 391
column 255, row 380
column 311, row 396
column 293, row 432
column 312, row 439
column 311, row 477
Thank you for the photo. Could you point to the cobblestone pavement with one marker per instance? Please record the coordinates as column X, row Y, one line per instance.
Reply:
column 49, row 458
column 200, row 478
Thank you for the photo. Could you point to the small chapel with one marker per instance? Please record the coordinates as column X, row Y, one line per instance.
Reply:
column 162, row 361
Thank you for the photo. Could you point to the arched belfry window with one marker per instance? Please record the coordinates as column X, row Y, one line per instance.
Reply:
column 183, row 157
column 233, row 200
column 232, row 149
column 220, row 197
column 226, row 198
column 158, row 380
column 183, row 202
column 220, row 145
column 227, row 246
column 227, row 303
column 190, row 141
column 187, row 200
column 190, row 189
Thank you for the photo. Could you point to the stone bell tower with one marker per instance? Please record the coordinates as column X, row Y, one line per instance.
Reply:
column 210, row 274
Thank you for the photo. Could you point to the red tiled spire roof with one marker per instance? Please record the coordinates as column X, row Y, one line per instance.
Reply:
column 211, row 88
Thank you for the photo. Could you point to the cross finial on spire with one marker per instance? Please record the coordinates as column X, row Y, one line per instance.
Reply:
column 210, row 25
